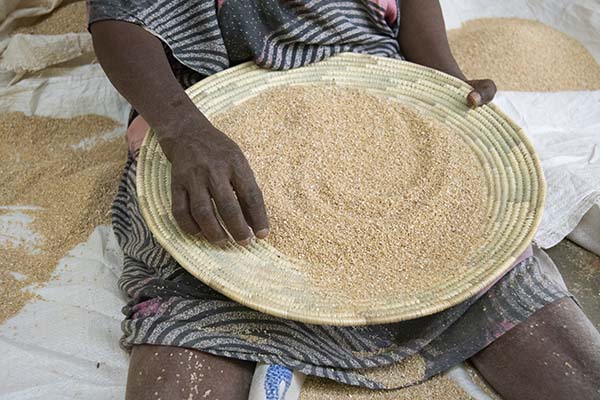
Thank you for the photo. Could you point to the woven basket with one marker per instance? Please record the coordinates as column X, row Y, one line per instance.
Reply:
column 262, row 278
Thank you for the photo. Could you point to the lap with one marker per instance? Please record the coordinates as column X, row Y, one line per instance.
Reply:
column 172, row 308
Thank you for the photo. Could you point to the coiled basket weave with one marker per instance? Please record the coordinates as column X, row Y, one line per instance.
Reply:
column 262, row 278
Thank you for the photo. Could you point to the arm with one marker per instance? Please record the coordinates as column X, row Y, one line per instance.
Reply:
column 206, row 164
column 423, row 40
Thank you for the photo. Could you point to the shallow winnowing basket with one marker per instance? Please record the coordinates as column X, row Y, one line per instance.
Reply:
column 262, row 278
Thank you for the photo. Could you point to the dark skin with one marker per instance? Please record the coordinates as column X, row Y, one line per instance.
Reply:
column 207, row 165
column 551, row 356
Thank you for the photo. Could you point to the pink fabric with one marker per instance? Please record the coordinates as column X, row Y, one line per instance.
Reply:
column 146, row 308
column 390, row 7
column 391, row 10
column 136, row 133
column 526, row 254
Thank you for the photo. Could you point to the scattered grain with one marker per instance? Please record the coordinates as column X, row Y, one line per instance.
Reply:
column 70, row 18
column 436, row 388
column 406, row 372
column 523, row 55
column 361, row 187
column 73, row 188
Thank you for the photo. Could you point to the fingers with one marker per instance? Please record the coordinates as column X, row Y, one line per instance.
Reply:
column 252, row 203
column 228, row 181
column 474, row 99
column 483, row 92
column 202, row 210
column 230, row 211
column 180, row 207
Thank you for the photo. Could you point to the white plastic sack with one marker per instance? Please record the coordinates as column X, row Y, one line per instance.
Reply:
column 565, row 131
column 25, row 53
column 65, row 345
column 587, row 233
column 79, row 91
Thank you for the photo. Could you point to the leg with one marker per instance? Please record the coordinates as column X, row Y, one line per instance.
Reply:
column 174, row 373
column 554, row 355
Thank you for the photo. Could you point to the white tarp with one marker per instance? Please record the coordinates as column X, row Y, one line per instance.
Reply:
column 65, row 345
column 565, row 131
column 27, row 53
column 11, row 11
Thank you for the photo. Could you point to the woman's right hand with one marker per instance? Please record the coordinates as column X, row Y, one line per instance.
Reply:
column 208, row 166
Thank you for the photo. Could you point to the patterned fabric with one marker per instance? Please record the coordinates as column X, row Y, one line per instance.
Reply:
column 276, row 34
column 170, row 307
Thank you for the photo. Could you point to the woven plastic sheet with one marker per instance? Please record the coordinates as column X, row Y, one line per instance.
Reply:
column 29, row 53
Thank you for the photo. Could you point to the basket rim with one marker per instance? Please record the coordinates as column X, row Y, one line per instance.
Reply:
column 389, row 315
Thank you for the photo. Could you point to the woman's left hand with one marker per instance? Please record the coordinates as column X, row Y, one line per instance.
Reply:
column 483, row 92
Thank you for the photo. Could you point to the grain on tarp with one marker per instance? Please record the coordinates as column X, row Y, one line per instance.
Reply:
column 70, row 18
column 523, row 55
column 68, row 191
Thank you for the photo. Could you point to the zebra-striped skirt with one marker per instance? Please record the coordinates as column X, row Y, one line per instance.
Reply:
column 170, row 307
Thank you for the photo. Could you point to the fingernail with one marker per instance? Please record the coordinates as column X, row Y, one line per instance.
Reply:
column 245, row 242
column 262, row 233
column 475, row 99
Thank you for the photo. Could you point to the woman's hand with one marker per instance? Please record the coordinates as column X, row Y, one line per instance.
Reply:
column 483, row 92
column 208, row 166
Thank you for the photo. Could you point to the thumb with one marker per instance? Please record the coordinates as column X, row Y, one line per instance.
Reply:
column 474, row 99
column 483, row 92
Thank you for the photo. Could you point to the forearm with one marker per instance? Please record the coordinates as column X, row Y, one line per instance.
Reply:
column 135, row 62
column 423, row 38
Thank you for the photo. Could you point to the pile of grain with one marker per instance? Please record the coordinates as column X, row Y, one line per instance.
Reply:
column 74, row 189
column 376, row 198
column 523, row 55
column 437, row 388
column 70, row 18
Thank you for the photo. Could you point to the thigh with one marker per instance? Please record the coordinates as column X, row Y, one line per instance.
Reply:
column 173, row 373
column 555, row 354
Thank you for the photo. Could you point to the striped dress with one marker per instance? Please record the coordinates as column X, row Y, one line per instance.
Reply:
column 167, row 306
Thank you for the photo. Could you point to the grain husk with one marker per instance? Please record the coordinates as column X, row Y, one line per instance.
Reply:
column 523, row 55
